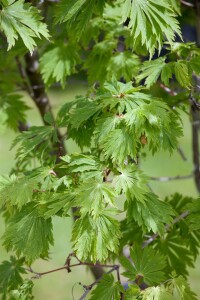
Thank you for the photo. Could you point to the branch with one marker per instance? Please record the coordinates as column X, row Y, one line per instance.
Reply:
column 68, row 267
column 164, row 179
column 182, row 154
column 195, row 114
column 168, row 90
column 187, row 3
column 167, row 227
column 88, row 288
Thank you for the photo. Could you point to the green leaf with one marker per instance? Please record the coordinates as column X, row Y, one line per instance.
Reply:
column 43, row 177
column 132, row 292
column 77, row 13
column 12, row 105
column 151, row 70
column 96, row 238
column 51, row 204
column 36, row 142
column 119, row 144
column 85, row 109
column 100, row 60
column 87, row 166
column 149, row 213
column 28, row 234
column 166, row 73
column 176, row 6
column 10, row 274
column 131, row 182
column 148, row 265
column 131, row 233
column 151, row 22
column 184, row 230
column 107, row 289
column 24, row 292
column 84, row 163
column 181, row 289
column 21, row 19
column 182, row 73
column 177, row 253
column 123, row 65
column 157, row 293
column 92, row 196
column 15, row 191
column 195, row 64
column 131, row 115
column 58, row 63
column 194, row 216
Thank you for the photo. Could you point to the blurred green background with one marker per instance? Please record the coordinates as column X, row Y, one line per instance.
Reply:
column 65, row 286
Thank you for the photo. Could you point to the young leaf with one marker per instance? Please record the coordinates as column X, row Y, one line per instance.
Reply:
column 28, row 234
column 148, row 265
column 157, row 293
column 21, row 19
column 107, row 289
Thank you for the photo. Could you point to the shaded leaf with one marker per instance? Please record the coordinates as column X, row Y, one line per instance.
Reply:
column 148, row 265
column 107, row 289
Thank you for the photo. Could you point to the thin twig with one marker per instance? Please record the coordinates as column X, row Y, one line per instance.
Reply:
column 195, row 114
column 168, row 90
column 88, row 288
column 187, row 3
column 164, row 179
column 23, row 74
column 167, row 227
column 68, row 267
column 182, row 154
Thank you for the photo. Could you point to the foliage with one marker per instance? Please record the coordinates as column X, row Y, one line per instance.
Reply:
column 127, row 50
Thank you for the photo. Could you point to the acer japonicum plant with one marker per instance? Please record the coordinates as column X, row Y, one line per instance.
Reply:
column 142, row 75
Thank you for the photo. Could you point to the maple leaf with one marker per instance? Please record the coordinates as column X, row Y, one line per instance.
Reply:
column 148, row 265
column 18, row 18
